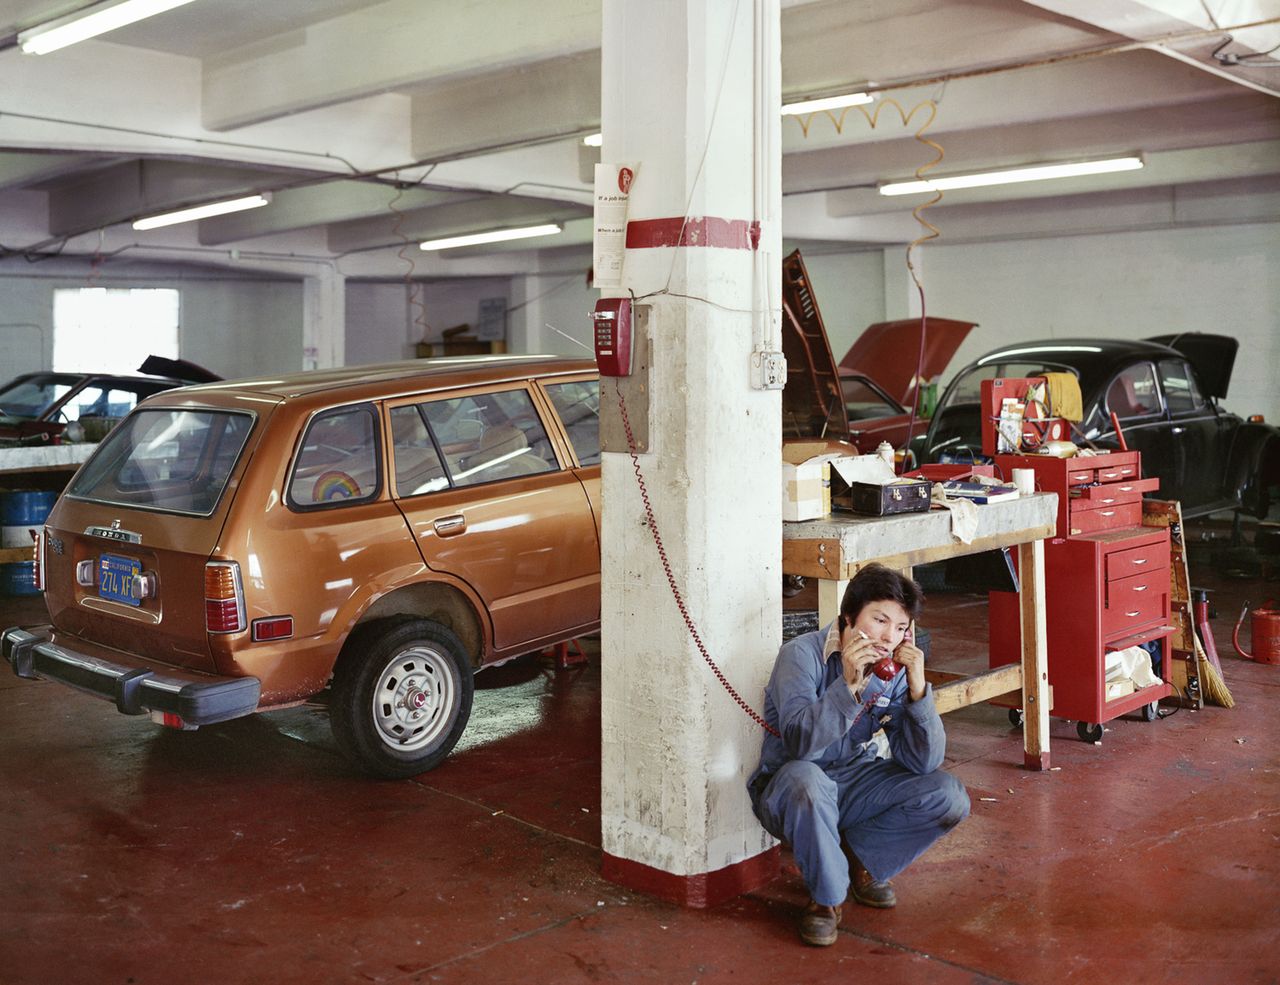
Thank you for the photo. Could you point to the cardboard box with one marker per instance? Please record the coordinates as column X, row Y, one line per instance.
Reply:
column 806, row 480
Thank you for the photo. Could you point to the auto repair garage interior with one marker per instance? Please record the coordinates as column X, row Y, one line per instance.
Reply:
column 663, row 162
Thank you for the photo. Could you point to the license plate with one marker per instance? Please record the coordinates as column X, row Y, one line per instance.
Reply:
column 115, row 578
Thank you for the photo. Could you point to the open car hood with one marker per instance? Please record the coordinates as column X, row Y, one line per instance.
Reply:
column 1211, row 356
column 178, row 369
column 812, row 401
column 889, row 350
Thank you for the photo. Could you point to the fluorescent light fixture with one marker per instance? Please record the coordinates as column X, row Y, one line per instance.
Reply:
column 90, row 22
column 593, row 139
column 1038, row 172
column 493, row 236
column 203, row 211
column 827, row 102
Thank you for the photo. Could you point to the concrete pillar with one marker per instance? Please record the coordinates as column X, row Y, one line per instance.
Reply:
column 324, row 319
column 691, row 100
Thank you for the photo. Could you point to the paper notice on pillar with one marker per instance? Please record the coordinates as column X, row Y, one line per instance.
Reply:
column 609, row 245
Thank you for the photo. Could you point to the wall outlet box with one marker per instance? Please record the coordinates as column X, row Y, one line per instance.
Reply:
column 768, row 370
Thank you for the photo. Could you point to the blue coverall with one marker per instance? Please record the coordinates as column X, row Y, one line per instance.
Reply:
column 822, row 780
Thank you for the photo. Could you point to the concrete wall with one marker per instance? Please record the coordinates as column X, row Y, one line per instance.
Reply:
column 1223, row 279
column 384, row 326
column 233, row 327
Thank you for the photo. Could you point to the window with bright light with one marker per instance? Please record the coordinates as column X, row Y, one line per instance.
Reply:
column 112, row 330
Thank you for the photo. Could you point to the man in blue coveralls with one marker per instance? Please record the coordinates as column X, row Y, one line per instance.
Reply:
column 853, row 819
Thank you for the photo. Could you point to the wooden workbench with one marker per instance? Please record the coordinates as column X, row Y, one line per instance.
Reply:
column 834, row 548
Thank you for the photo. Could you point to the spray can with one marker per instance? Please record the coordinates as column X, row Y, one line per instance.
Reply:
column 885, row 451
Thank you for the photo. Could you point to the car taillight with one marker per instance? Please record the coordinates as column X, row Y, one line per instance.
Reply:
column 37, row 559
column 223, row 597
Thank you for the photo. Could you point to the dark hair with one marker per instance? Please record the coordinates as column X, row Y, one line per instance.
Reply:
column 876, row 583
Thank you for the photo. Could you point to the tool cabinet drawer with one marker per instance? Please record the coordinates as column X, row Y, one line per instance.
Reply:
column 1132, row 603
column 1080, row 477
column 1138, row 560
column 1109, row 493
column 1116, row 473
column 1088, row 521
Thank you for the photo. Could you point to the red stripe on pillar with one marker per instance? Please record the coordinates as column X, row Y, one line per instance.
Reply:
column 701, row 230
column 701, row 890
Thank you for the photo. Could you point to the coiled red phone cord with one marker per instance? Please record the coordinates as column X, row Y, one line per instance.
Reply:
column 671, row 579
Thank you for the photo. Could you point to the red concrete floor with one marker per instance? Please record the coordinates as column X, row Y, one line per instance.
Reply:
column 251, row 852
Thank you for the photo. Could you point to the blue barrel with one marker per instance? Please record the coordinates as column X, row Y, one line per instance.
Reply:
column 22, row 514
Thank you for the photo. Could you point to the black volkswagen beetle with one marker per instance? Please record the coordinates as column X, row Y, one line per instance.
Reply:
column 1164, row 391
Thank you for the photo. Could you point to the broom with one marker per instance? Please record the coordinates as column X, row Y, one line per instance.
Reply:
column 1212, row 685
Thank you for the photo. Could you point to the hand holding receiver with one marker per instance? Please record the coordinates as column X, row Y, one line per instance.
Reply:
column 857, row 654
column 912, row 657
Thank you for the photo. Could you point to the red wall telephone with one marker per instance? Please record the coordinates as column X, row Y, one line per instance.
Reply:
column 612, row 319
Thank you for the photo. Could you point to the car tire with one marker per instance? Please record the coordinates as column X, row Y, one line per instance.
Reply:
column 401, row 697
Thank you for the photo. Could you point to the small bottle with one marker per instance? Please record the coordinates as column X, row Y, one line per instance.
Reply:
column 885, row 451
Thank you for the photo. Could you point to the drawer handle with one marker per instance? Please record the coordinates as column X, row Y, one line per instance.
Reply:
column 1139, row 588
column 1135, row 612
column 1126, row 488
column 1107, row 512
column 1141, row 560
column 1112, row 500
column 1111, row 475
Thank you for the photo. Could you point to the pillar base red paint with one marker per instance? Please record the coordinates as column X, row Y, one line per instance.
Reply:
column 701, row 890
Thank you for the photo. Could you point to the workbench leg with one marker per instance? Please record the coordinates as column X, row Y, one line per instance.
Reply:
column 830, row 592
column 1035, row 662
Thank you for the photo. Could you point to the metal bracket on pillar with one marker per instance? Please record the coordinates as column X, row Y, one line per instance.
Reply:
column 636, row 390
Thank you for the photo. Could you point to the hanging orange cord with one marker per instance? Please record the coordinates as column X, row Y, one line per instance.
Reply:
column 873, row 118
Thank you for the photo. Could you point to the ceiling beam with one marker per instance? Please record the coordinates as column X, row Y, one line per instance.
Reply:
column 478, row 214
column 333, row 201
column 390, row 45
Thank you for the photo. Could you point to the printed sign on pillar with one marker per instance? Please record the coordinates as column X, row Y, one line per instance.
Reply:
column 612, row 192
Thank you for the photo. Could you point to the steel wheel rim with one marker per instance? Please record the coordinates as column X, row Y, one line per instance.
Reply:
column 416, row 699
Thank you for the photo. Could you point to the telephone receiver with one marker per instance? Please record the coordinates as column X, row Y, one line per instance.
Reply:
column 886, row 668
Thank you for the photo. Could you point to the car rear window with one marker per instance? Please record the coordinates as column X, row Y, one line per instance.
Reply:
column 174, row 460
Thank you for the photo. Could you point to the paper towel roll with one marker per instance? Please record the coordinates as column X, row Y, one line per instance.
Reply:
column 1025, row 480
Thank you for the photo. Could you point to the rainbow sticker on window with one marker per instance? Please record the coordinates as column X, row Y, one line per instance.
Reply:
column 333, row 485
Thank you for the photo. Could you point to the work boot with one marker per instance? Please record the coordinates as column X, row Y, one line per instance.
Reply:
column 866, row 890
column 818, row 924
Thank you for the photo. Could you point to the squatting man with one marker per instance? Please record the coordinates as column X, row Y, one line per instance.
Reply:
column 854, row 819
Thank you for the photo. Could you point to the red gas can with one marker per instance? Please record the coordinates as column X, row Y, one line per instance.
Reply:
column 1266, row 634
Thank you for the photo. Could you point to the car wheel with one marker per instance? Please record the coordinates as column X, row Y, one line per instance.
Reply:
column 401, row 697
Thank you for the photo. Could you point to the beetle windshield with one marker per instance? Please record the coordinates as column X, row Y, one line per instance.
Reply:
column 165, row 459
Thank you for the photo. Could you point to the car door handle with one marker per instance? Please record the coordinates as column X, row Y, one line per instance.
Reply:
column 1176, row 430
column 447, row 526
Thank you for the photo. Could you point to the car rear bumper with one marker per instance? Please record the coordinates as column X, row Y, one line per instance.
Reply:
column 126, row 680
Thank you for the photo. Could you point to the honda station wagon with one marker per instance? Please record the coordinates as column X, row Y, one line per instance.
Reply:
column 379, row 532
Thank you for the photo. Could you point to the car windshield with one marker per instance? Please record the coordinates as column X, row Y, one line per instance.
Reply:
column 956, row 433
column 863, row 402
column 165, row 459
column 27, row 399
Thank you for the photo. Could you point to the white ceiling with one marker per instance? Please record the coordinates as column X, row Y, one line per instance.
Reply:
column 377, row 123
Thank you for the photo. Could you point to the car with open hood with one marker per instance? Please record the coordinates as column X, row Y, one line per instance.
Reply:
column 872, row 395
column 382, row 532
column 1165, row 394
column 48, row 407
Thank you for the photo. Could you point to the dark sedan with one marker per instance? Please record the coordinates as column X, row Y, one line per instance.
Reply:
column 1165, row 394
column 50, row 408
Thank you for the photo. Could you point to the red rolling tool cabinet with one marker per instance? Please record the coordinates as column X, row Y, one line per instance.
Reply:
column 1106, row 579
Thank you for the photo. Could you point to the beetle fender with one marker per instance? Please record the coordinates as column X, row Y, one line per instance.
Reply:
column 1255, row 467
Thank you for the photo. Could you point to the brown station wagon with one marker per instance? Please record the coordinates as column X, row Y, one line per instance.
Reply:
column 384, row 531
